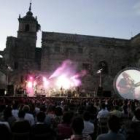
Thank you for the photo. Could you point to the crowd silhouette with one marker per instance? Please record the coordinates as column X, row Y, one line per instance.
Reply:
column 34, row 118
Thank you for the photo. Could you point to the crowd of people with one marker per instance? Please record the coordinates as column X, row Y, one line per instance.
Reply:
column 45, row 118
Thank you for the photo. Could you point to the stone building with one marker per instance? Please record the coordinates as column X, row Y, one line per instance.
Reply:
column 88, row 52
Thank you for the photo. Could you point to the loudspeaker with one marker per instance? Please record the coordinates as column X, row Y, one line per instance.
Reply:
column 10, row 90
column 2, row 92
column 100, row 91
column 107, row 93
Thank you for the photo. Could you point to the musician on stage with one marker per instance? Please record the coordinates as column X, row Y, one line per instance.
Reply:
column 126, row 86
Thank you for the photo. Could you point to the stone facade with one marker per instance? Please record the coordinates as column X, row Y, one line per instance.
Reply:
column 88, row 52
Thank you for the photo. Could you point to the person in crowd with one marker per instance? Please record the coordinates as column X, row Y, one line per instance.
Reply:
column 133, row 133
column 81, row 109
column 114, row 127
column 125, row 109
column 8, row 116
column 6, row 124
column 132, row 107
column 5, row 134
column 50, row 117
column 21, row 125
column 15, row 110
column 58, row 116
column 37, row 108
column 116, row 112
column 136, row 117
column 88, row 126
column 28, row 116
column 64, row 129
column 103, row 113
column 93, row 111
column 42, row 130
column 77, row 127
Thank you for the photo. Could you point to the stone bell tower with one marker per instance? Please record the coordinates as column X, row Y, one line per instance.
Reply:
column 28, row 28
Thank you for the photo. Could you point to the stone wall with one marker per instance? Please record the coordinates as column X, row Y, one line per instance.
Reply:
column 87, row 52
column 57, row 47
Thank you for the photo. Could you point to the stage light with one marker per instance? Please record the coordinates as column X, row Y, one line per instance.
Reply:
column 45, row 82
column 30, row 78
column 63, row 81
column 75, row 82
column 99, row 71
column 44, row 79
column 34, row 83
column 29, row 84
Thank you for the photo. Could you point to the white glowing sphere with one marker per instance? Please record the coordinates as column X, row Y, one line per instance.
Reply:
column 128, row 88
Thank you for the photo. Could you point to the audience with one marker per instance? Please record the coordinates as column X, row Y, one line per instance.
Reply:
column 51, row 118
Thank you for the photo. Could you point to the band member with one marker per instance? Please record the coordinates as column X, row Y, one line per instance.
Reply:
column 126, row 86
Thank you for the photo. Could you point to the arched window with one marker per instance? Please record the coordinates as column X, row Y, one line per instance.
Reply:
column 27, row 27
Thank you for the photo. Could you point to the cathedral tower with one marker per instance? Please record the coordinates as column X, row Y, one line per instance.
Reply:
column 28, row 27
